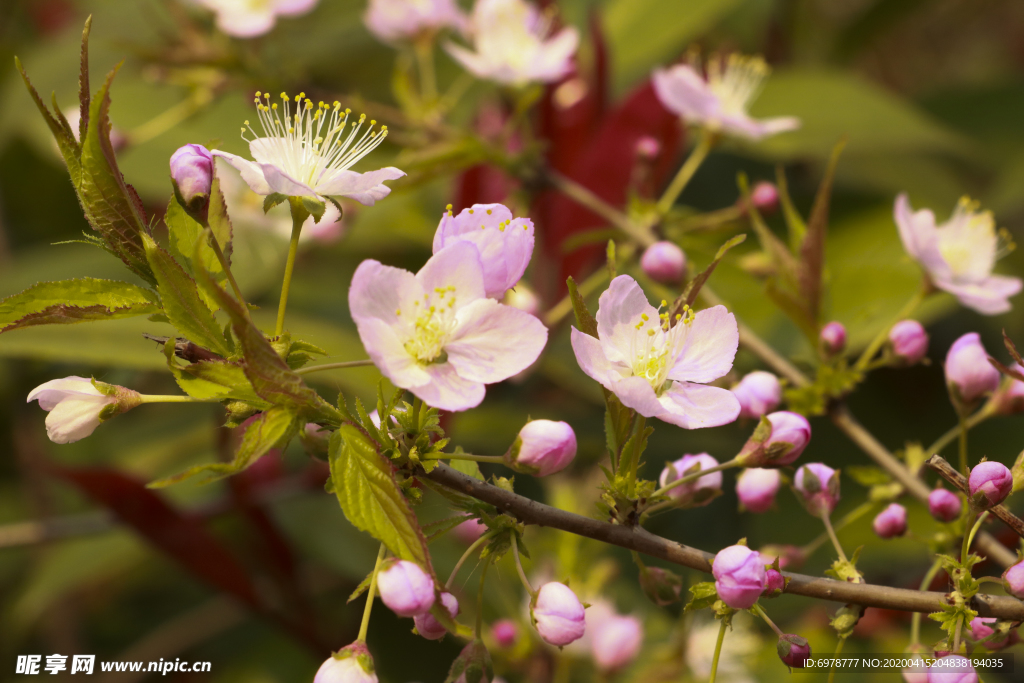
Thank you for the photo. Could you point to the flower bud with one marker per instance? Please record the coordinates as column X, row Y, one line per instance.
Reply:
column 909, row 342
column 192, row 173
column 891, row 522
column 774, row 582
column 756, row 488
column 944, row 505
column 793, row 650
column 917, row 672
column 473, row 665
column 980, row 629
column 778, row 440
column 765, row 197
column 78, row 405
column 429, row 627
column 648, row 147
column 616, row 641
column 470, row 530
column 558, row 614
column 759, row 392
column 952, row 669
column 1009, row 399
column 817, row 487
column 664, row 262
column 1013, row 580
column 351, row 664
column 739, row 576
column 406, row 589
column 543, row 447
column 833, row 339
column 990, row 483
column 969, row 375
column 505, row 632
column 698, row 492
column 660, row 585
column 523, row 298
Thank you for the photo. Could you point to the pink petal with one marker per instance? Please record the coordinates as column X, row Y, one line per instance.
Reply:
column 694, row 406
column 918, row 232
column 637, row 393
column 251, row 173
column 683, row 92
column 365, row 188
column 291, row 8
column 619, row 309
column 457, row 266
column 283, row 183
column 447, row 390
column 387, row 351
column 989, row 297
column 591, row 358
column 710, row 347
column 494, row 342
column 380, row 291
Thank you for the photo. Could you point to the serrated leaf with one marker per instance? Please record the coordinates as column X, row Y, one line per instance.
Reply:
column 212, row 380
column 69, row 148
column 812, row 248
column 703, row 595
column 66, row 302
column 584, row 320
column 370, row 497
column 186, row 240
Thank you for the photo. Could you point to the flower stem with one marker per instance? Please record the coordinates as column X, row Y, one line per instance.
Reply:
column 848, row 518
column 465, row 556
column 496, row 459
column 729, row 464
column 971, row 422
column 956, row 636
column 839, row 650
column 227, row 270
column 718, row 651
column 963, row 446
column 876, row 343
column 832, row 535
column 425, row 60
column 634, row 457
column 972, row 526
column 757, row 609
column 365, row 625
column 480, row 599
column 174, row 398
column 519, row 567
column 299, row 216
column 693, row 162
column 334, row 366
column 926, row 582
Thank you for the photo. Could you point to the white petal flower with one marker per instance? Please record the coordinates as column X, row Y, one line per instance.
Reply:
column 436, row 334
column 394, row 20
column 720, row 101
column 251, row 18
column 656, row 369
column 512, row 44
column 307, row 153
column 959, row 255
column 74, row 404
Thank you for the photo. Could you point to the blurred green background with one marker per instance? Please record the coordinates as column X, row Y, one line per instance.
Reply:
column 928, row 93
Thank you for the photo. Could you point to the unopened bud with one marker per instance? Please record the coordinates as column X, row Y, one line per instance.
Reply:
column 406, row 589
column 778, row 440
column 695, row 493
column 989, row 484
column 968, row 372
column 473, row 665
column 77, row 406
column 661, row 586
column 1013, row 580
column 616, row 641
column 192, row 173
column 891, row 522
column 833, row 339
column 505, row 632
column 429, row 627
column 765, row 197
column 664, row 262
column 817, row 487
column 1009, row 399
column 759, row 393
column 774, row 583
column 558, row 614
column 794, row 650
column 756, row 488
column 908, row 341
column 351, row 664
column 944, row 505
column 543, row 447
column 739, row 576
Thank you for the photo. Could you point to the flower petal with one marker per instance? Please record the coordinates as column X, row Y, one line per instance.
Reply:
column 471, row 61
column 989, row 297
column 494, row 342
column 553, row 58
column 251, row 172
column 455, row 266
column 49, row 394
column 282, row 183
column 918, row 233
column 447, row 390
column 291, row 8
column 619, row 310
column 387, row 351
column 73, row 419
column 365, row 188
column 591, row 358
column 637, row 393
column 382, row 292
column 683, row 92
column 709, row 348
column 694, row 406
column 505, row 244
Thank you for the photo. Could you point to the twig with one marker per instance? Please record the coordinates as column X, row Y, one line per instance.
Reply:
column 640, row 540
column 947, row 472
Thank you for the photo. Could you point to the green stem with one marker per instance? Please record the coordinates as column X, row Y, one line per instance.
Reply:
column 965, row 547
column 174, row 398
column 365, row 625
column 915, row 620
column 465, row 556
column 563, row 308
column 882, row 336
column 496, row 459
column 963, row 446
column 718, row 652
column 839, row 650
column 987, row 411
column 956, row 636
column 425, row 59
column 334, row 366
column 693, row 162
column 227, row 270
column 832, row 535
column 480, row 601
column 299, row 216
column 634, row 457
column 729, row 464
column 169, row 118
column 758, row 610
column 519, row 567
column 848, row 518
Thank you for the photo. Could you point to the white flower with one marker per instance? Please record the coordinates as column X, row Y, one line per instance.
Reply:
column 959, row 255
column 436, row 333
column 251, row 18
column 392, row 20
column 77, row 407
column 658, row 370
column 512, row 47
column 308, row 153
column 720, row 101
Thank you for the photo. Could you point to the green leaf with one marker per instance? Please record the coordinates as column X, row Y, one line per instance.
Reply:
column 586, row 322
column 187, row 241
column 371, row 498
column 812, row 249
column 66, row 142
column 217, row 217
column 272, row 429
column 212, row 380
column 185, row 309
column 468, row 467
column 703, row 594
column 72, row 301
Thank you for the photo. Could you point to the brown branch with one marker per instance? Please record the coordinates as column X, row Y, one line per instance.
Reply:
column 640, row 540
column 947, row 472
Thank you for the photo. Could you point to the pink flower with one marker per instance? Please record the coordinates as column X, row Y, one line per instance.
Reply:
column 944, row 505
column 505, row 243
column 833, row 338
column 739, row 576
column 990, row 483
column 959, row 255
column 817, row 487
column 351, row 664
column 558, row 614
column 657, row 370
column 616, row 641
column 436, row 334
column 952, row 669
column 891, row 522
column 543, row 447
column 968, row 371
column 663, row 262
column 429, row 627
column 759, row 392
column 248, row 19
column 793, row 650
column 505, row 632
column 909, row 341
column 756, row 488
column 980, row 630
column 398, row 20
column 719, row 102
column 698, row 492
column 512, row 44
column 407, row 590
column 192, row 172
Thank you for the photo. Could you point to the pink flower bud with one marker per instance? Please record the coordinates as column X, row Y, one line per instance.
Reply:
column 793, row 650
column 891, row 522
column 429, row 627
column 759, row 392
column 663, row 262
column 543, row 447
column 778, row 443
column 1013, row 580
column 952, row 669
column 505, row 632
column 558, row 614
column 756, row 488
column 739, row 576
column 77, row 406
column 470, row 530
column 1010, row 399
column 909, row 341
column 817, row 487
column 917, row 672
column 774, row 583
column 968, row 372
column 944, row 505
column 192, row 172
column 648, row 147
column 833, row 338
column 351, row 664
column 698, row 492
column 980, row 630
column 406, row 589
column 765, row 197
column 990, row 483
column 616, row 641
